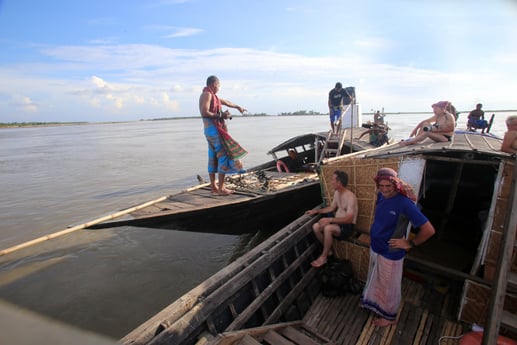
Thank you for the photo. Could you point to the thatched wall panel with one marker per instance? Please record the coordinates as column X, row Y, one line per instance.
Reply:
column 358, row 255
column 475, row 305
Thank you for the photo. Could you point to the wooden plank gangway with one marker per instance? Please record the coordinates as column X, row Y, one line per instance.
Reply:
column 253, row 193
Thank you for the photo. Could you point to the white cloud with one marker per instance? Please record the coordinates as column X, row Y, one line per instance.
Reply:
column 98, row 82
column 135, row 81
column 24, row 104
column 170, row 104
column 177, row 88
column 184, row 32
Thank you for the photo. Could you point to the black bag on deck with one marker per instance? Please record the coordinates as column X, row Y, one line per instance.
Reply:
column 337, row 278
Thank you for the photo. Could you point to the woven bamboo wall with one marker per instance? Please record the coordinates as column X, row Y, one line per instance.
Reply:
column 358, row 255
column 475, row 304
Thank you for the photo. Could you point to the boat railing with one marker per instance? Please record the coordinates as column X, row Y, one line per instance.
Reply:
column 238, row 295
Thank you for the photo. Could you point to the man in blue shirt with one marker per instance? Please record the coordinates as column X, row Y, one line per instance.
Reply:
column 395, row 205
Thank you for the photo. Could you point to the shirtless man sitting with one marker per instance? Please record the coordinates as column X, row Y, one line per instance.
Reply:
column 441, row 130
column 509, row 144
column 341, row 226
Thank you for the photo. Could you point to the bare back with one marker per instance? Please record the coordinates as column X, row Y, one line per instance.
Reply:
column 509, row 144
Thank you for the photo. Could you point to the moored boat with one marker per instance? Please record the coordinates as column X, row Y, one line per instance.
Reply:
column 466, row 189
column 273, row 188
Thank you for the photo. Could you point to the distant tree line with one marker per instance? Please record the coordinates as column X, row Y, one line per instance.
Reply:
column 303, row 112
column 30, row 124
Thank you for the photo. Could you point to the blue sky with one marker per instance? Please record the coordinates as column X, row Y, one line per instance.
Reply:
column 117, row 60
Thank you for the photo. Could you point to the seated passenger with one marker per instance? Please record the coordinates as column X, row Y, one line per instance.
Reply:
column 441, row 130
column 378, row 135
column 378, row 118
column 293, row 163
column 509, row 144
column 476, row 119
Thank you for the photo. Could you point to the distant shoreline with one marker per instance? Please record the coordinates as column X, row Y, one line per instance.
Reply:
column 40, row 124
column 79, row 123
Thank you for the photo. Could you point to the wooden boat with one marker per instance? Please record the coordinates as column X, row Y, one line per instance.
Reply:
column 263, row 190
column 272, row 295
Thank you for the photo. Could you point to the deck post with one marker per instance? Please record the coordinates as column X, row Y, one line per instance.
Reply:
column 495, row 308
column 316, row 141
column 352, row 125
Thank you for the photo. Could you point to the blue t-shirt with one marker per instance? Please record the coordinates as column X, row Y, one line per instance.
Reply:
column 387, row 214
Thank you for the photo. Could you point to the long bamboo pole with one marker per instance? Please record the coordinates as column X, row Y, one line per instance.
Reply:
column 81, row 226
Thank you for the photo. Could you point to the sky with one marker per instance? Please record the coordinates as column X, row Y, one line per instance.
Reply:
column 124, row 60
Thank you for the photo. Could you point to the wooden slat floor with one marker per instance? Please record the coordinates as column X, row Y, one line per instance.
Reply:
column 425, row 316
column 248, row 188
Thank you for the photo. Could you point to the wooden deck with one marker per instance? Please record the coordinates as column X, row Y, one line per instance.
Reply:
column 466, row 144
column 254, row 193
column 425, row 316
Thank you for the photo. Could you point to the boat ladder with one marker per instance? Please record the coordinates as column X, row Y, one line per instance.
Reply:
column 335, row 141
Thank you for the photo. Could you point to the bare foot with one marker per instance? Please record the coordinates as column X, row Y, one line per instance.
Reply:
column 225, row 191
column 380, row 322
column 319, row 262
column 406, row 142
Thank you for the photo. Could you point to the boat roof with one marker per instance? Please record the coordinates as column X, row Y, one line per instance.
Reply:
column 300, row 140
column 464, row 144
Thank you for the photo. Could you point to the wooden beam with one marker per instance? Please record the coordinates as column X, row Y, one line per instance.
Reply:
column 243, row 317
column 496, row 306
column 80, row 227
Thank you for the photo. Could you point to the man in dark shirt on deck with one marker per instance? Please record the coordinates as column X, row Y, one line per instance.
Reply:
column 337, row 98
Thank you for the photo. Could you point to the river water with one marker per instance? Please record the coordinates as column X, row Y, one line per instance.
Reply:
column 111, row 280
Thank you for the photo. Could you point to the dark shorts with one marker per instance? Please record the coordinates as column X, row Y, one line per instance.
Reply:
column 346, row 231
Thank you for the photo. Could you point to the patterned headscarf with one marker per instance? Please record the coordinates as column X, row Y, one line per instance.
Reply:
column 390, row 175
